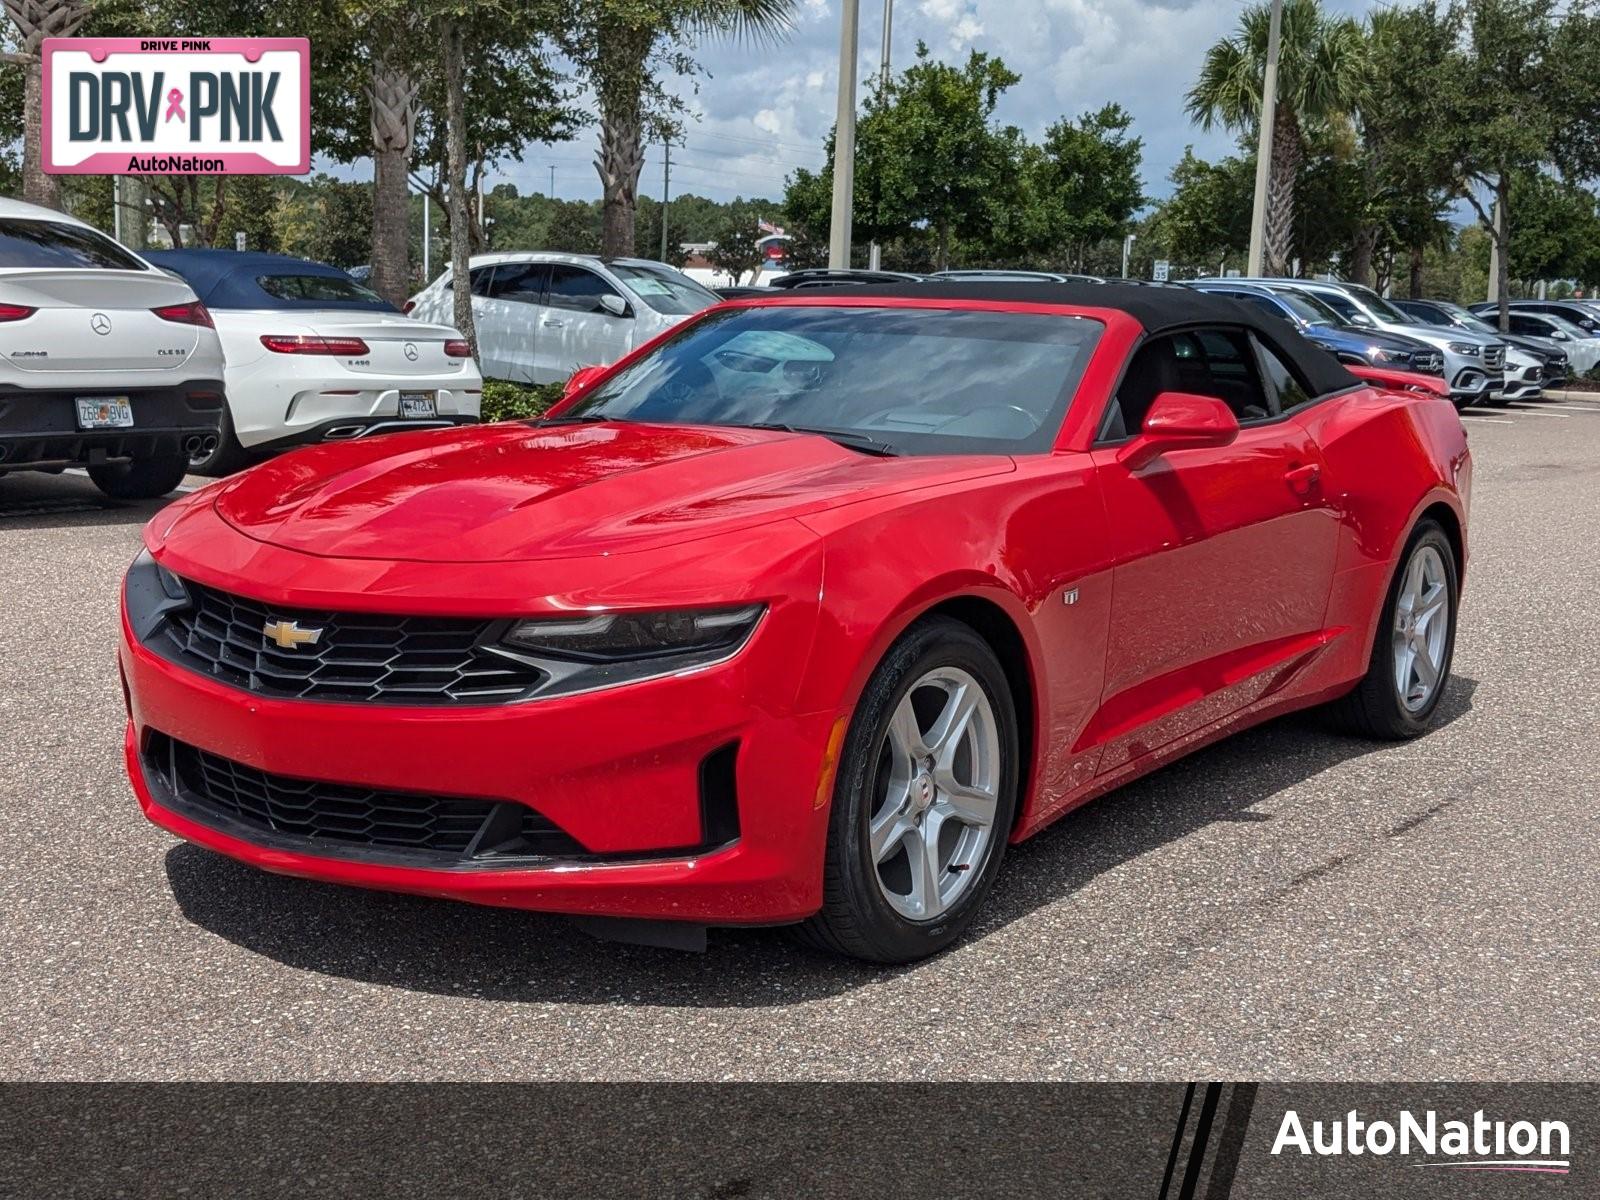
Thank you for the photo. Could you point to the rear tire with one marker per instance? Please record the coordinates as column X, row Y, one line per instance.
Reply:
column 929, row 772
column 144, row 480
column 227, row 457
column 1381, row 706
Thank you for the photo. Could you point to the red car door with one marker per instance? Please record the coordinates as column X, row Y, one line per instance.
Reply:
column 1222, row 557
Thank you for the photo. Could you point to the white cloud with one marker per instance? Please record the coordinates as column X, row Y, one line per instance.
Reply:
column 766, row 111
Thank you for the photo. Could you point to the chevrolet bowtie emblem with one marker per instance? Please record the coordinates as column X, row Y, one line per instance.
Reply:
column 289, row 636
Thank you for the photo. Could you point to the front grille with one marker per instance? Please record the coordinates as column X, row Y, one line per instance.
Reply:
column 316, row 814
column 371, row 657
column 1494, row 357
column 1428, row 363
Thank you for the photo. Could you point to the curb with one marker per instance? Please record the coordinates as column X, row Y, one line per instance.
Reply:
column 1551, row 394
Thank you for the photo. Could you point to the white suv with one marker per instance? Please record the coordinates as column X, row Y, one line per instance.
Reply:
column 105, row 362
column 540, row 316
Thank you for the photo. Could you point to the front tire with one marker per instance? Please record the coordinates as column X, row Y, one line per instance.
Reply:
column 923, row 801
column 144, row 480
column 1413, row 647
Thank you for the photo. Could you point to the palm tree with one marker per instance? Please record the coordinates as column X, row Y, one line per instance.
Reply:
column 1321, row 69
column 393, row 96
column 617, row 44
column 36, row 20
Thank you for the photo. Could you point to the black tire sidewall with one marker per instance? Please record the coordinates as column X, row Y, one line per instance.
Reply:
column 937, row 642
column 1427, row 532
column 147, row 479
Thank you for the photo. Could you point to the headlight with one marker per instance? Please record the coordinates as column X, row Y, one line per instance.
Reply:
column 1470, row 349
column 152, row 592
column 625, row 637
column 1380, row 355
column 585, row 653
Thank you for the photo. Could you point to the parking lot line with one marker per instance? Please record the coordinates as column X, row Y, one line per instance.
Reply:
column 1486, row 420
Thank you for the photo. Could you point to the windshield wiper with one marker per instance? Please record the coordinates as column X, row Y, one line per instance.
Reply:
column 845, row 437
column 579, row 419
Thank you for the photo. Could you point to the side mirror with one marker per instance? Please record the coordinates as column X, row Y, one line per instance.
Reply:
column 1179, row 421
column 1557, row 335
column 580, row 380
column 615, row 305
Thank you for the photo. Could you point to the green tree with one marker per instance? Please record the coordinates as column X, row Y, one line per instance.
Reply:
column 1512, row 96
column 621, row 49
column 928, row 153
column 736, row 251
column 574, row 227
column 1320, row 73
column 1086, row 181
column 1206, row 219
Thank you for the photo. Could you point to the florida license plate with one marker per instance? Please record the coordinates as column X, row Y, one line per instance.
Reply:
column 104, row 412
column 418, row 404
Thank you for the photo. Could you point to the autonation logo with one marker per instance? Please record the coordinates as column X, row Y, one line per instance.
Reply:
column 1476, row 1145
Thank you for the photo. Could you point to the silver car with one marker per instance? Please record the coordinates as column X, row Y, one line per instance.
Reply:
column 542, row 315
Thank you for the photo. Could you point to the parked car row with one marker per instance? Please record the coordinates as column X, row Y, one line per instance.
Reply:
column 142, row 369
column 1549, row 341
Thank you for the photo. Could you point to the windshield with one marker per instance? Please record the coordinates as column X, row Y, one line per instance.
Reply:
column 663, row 289
column 1468, row 320
column 1379, row 306
column 58, row 244
column 1309, row 309
column 919, row 381
column 332, row 290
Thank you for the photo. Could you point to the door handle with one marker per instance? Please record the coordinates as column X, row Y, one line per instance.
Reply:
column 549, row 324
column 1302, row 479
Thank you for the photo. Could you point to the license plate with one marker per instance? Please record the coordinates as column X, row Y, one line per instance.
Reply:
column 418, row 404
column 104, row 412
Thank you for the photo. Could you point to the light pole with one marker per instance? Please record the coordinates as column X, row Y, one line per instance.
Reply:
column 1127, row 249
column 1269, row 111
column 874, row 252
column 666, row 191
column 844, row 139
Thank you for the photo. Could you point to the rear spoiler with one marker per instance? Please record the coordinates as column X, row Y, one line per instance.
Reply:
column 1402, row 381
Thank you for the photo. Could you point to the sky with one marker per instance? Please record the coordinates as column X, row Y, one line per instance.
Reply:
column 758, row 112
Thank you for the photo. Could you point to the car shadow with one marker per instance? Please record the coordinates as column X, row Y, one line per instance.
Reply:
column 448, row 948
column 35, row 500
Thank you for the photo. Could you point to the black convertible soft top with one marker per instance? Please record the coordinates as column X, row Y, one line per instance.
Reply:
column 1159, row 309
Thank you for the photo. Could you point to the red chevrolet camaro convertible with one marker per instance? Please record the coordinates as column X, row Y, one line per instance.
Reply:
column 799, row 614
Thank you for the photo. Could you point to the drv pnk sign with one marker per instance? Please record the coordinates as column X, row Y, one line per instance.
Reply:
column 177, row 106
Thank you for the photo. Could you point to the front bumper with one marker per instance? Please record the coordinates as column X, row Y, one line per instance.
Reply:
column 39, row 427
column 1471, row 384
column 620, row 771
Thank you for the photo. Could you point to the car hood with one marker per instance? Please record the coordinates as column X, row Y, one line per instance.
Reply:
column 515, row 492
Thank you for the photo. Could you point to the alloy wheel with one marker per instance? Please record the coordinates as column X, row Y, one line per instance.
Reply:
column 937, row 792
column 1421, row 628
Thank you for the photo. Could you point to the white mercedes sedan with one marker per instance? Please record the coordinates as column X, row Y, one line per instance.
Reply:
column 313, row 356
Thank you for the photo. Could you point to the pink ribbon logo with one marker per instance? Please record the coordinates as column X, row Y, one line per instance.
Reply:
column 175, row 105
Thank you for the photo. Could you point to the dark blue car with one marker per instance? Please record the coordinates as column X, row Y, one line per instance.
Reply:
column 1321, row 326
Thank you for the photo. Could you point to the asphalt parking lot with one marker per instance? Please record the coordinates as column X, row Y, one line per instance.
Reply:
column 1286, row 905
